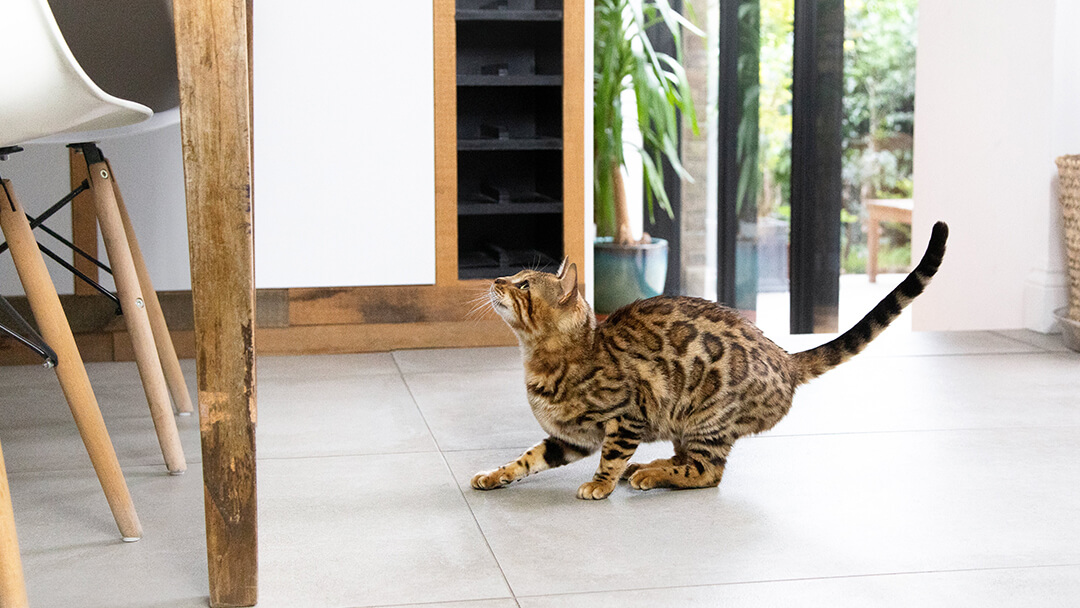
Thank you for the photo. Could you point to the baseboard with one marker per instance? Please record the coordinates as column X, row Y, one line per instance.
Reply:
column 296, row 322
column 1044, row 292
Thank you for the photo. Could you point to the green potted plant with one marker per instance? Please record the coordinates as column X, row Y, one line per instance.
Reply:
column 625, row 60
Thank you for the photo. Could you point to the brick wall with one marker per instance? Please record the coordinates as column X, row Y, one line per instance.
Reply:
column 696, row 220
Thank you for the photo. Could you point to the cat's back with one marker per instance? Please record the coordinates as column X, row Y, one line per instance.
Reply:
column 687, row 330
column 687, row 316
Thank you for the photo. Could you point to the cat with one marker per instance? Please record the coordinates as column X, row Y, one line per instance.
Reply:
column 680, row 369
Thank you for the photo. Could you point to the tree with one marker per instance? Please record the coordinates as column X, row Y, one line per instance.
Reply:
column 879, row 104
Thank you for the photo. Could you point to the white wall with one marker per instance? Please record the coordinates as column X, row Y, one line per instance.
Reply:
column 149, row 170
column 996, row 83
column 587, row 182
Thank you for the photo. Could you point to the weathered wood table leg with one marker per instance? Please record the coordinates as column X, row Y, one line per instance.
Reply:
column 212, row 56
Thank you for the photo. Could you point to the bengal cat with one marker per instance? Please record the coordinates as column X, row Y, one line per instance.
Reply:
column 680, row 369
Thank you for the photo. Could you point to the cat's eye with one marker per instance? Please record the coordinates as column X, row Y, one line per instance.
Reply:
column 524, row 285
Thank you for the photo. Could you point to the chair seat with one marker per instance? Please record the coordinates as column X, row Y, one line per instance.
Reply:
column 159, row 120
column 44, row 91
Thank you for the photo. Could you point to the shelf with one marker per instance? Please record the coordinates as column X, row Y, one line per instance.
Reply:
column 508, row 15
column 472, row 207
column 509, row 80
column 532, row 143
column 495, row 262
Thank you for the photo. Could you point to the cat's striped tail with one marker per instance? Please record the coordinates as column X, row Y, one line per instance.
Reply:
column 810, row 364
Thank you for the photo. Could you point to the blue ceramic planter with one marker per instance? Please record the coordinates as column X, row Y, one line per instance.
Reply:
column 625, row 273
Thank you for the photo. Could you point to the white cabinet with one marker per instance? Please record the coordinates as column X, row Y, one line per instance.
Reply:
column 344, row 143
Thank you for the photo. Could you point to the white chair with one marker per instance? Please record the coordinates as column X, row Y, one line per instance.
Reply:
column 48, row 96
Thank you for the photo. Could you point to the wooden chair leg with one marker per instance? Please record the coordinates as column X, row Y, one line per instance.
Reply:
column 12, row 586
column 52, row 323
column 135, row 316
column 170, row 363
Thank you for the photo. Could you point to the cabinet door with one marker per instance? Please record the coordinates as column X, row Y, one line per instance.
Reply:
column 344, row 143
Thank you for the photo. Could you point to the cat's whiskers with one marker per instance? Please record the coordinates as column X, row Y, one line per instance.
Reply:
column 479, row 305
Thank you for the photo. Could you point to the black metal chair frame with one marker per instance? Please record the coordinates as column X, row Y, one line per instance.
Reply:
column 22, row 331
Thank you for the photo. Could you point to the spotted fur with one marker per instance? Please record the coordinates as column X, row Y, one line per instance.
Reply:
column 679, row 369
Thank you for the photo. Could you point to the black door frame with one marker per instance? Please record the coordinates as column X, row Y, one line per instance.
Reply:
column 728, row 118
column 665, row 227
column 816, row 153
column 816, row 149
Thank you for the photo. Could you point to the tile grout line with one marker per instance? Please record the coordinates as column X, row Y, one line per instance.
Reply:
column 525, row 447
column 442, row 452
column 449, row 470
column 806, row 579
column 438, row 603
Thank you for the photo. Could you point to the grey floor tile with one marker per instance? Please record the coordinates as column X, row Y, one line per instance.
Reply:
column 458, row 359
column 120, row 373
column 793, row 508
column 57, row 445
column 934, row 470
column 31, row 403
column 117, row 388
column 369, row 531
column 39, row 433
column 324, row 367
column 502, row 603
column 927, row 393
column 123, row 372
column 356, row 415
column 24, row 375
column 894, row 342
column 72, row 553
column 474, row 410
column 1053, row 586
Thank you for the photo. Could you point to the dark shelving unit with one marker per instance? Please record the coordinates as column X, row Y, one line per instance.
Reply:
column 509, row 10
column 510, row 144
column 494, row 80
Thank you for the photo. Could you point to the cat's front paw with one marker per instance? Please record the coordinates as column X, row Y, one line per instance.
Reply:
column 595, row 490
column 491, row 480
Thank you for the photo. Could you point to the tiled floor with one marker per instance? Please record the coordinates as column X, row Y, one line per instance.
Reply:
column 934, row 470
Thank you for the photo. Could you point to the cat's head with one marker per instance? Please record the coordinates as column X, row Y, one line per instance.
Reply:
column 539, row 305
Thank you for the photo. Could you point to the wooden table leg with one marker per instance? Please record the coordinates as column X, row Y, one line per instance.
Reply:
column 873, row 234
column 12, row 586
column 212, row 55
column 52, row 323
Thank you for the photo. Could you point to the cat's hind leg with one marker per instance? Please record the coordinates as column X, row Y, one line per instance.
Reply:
column 700, row 466
column 547, row 454
column 678, row 459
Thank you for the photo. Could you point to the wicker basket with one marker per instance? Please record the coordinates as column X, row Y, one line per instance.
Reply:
column 1069, row 193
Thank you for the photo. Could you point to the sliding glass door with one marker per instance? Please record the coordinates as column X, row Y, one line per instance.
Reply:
column 815, row 127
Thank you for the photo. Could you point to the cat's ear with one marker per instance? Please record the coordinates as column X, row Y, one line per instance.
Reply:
column 567, row 283
column 562, row 267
